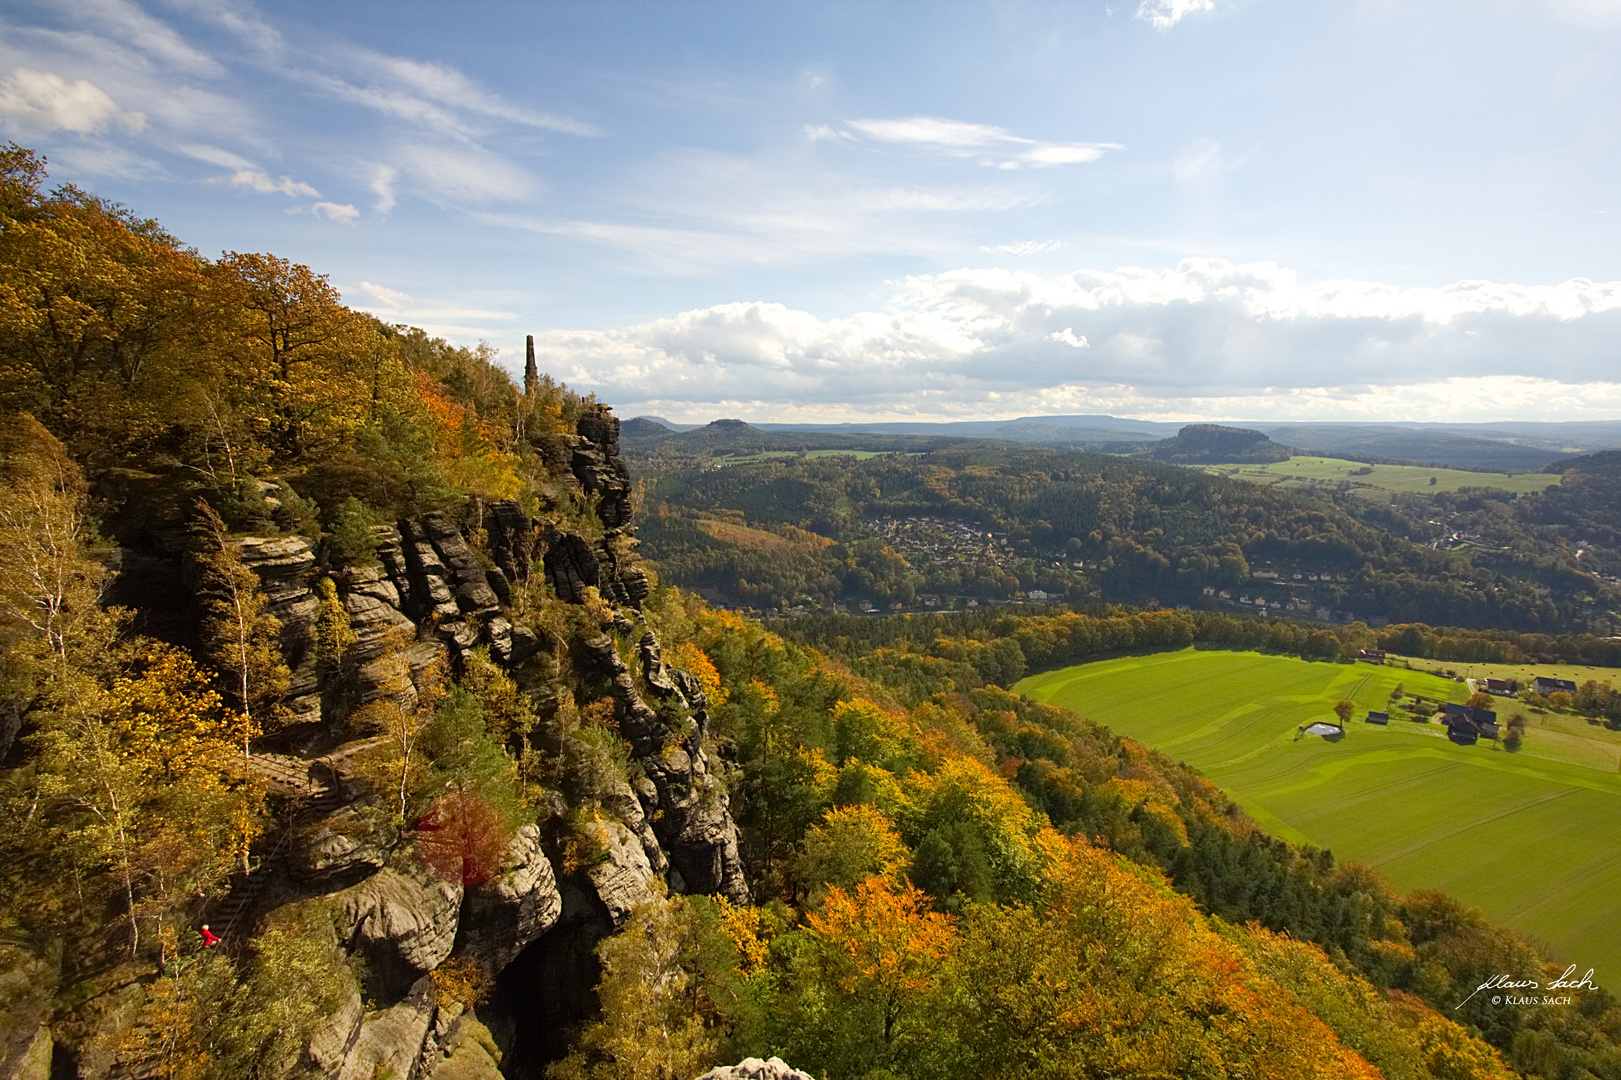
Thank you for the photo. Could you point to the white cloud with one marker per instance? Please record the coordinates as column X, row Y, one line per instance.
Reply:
column 213, row 155
column 428, row 95
column 1184, row 339
column 258, row 181
column 464, row 173
column 691, row 212
column 446, row 85
column 241, row 20
column 1164, row 14
column 382, row 185
column 343, row 213
column 124, row 22
column 458, row 323
column 957, row 138
column 1026, row 247
column 45, row 101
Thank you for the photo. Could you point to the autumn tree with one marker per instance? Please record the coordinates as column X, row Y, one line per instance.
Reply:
column 880, row 953
column 654, row 1021
column 136, row 787
column 462, row 839
column 1343, row 709
column 1515, row 735
column 851, row 844
column 97, row 310
column 300, row 345
column 211, row 1019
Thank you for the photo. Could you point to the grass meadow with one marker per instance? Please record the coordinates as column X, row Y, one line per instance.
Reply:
column 1383, row 479
column 1529, row 837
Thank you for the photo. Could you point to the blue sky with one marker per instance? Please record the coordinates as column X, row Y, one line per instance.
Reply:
column 1223, row 209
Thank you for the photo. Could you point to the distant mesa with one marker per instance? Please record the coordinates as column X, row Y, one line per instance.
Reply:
column 645, row 427
column 1211, row 444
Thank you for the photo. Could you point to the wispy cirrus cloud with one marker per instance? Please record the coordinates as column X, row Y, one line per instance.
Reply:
column 450, row 320
column 990, row 145
column 430, row 124
column 692, row 213
column 1025, row 247
column 125, row 22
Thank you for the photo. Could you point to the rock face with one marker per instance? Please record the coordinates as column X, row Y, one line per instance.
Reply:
column 501, row 919
column 597, row 465
column 622, row 878
column 687, row 805
column 390, row 1042
column 424, row 601
column 283, row 564
column 755, row 1069
column 470, row 1053
column 404, row 925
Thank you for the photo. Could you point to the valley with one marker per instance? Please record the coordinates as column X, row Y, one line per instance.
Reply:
column 1492, row 827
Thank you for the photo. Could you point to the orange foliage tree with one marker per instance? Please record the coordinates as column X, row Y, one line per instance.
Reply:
column 462, row 839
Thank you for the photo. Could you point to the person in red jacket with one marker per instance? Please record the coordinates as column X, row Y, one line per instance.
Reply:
column 209, row 939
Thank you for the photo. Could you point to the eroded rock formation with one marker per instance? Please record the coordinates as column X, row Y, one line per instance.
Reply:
column 426, row 599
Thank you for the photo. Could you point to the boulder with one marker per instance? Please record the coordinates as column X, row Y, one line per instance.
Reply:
column 404, row 924
column 469, row 1053
column 334, row 1037
column 756, row 1069
column 32, row 1061
column 390, row 1042
column 623, row 877
column 500, row 919
column 341, row 846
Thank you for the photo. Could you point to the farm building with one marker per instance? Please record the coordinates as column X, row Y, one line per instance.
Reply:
column 1462, row 720
column 1372, row 656
column 1544, row 685
column 1500, row 687
column 1324, row 728
column 1378, row 717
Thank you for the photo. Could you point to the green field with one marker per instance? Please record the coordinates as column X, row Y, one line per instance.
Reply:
column 1382, row 479
column 783, row 455
column 1529, row 837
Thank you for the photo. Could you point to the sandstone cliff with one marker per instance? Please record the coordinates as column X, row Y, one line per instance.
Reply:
column 435, row 589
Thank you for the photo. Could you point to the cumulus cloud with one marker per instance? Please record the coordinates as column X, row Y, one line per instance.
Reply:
column 1183, row 339
column 343, row 213
column 1164, row 14
column 989, row 145
column 258, row 181
column 44, row 101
